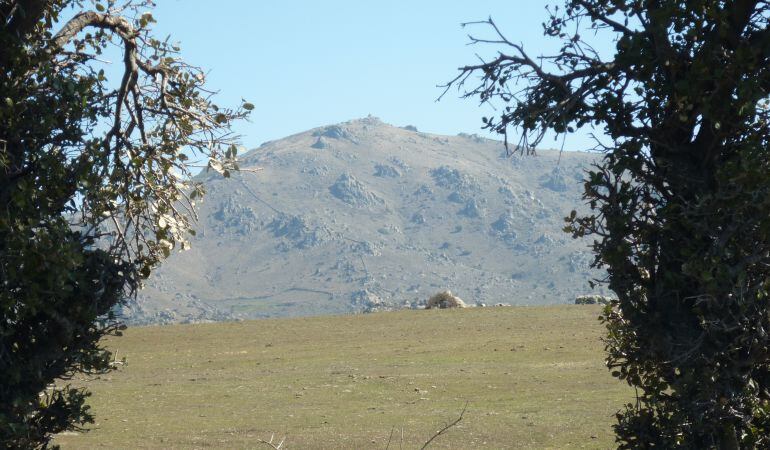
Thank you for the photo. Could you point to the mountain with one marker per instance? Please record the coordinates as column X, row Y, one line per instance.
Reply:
column 363, row 216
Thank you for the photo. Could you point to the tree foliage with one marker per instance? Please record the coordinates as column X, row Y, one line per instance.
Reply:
column 95, row 190
column 680, row 199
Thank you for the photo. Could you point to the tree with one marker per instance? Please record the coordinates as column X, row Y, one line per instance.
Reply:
column 680, row 199
column 95, row 190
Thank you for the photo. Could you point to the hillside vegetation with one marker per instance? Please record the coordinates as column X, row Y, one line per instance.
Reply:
column 533, row 377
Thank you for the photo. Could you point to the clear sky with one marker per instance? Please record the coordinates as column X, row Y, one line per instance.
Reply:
column 310, row 63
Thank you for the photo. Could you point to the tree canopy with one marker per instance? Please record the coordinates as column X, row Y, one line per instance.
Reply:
column 680, row 199
column 95, row 190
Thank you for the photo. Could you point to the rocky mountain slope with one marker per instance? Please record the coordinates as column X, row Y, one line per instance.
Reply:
column 363, row 216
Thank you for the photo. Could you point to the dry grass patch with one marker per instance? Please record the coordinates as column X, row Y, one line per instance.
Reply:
column 533, row 378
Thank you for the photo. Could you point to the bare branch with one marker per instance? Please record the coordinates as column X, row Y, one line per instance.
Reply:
column 271, row 444
column 392, row 430
column 617, row 26
column 445, row 428
column 87, row 19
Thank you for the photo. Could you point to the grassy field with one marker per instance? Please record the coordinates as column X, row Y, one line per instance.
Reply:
column 533, row 377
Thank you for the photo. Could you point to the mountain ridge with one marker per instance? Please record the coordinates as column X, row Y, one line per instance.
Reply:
column 362, row 216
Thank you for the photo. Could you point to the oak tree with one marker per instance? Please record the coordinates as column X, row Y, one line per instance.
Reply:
column 96, row 189
column 680, row 198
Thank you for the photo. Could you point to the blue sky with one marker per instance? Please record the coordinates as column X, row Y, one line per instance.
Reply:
column 309, row 63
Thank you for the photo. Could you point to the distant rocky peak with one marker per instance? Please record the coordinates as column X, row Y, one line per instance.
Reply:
column 370, row 120
column 363, row 216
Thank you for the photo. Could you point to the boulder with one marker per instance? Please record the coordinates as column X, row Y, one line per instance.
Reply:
column 385, row 170
column 593, row 300
column 472, row 209
column 444, row 300
column 320, row 143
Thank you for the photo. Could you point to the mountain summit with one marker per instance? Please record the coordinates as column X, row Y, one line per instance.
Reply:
column 363, row 216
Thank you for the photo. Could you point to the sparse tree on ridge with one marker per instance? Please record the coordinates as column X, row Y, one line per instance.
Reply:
column 95, row 190
column 680, row 200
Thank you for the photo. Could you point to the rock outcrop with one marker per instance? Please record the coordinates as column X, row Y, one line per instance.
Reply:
column 353, row 192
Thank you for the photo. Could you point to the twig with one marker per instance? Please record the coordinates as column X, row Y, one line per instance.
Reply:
column 390, row 437
column 446, row 427
column 270, row 442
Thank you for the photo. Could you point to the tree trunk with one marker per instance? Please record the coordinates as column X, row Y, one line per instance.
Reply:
column 729, row 438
